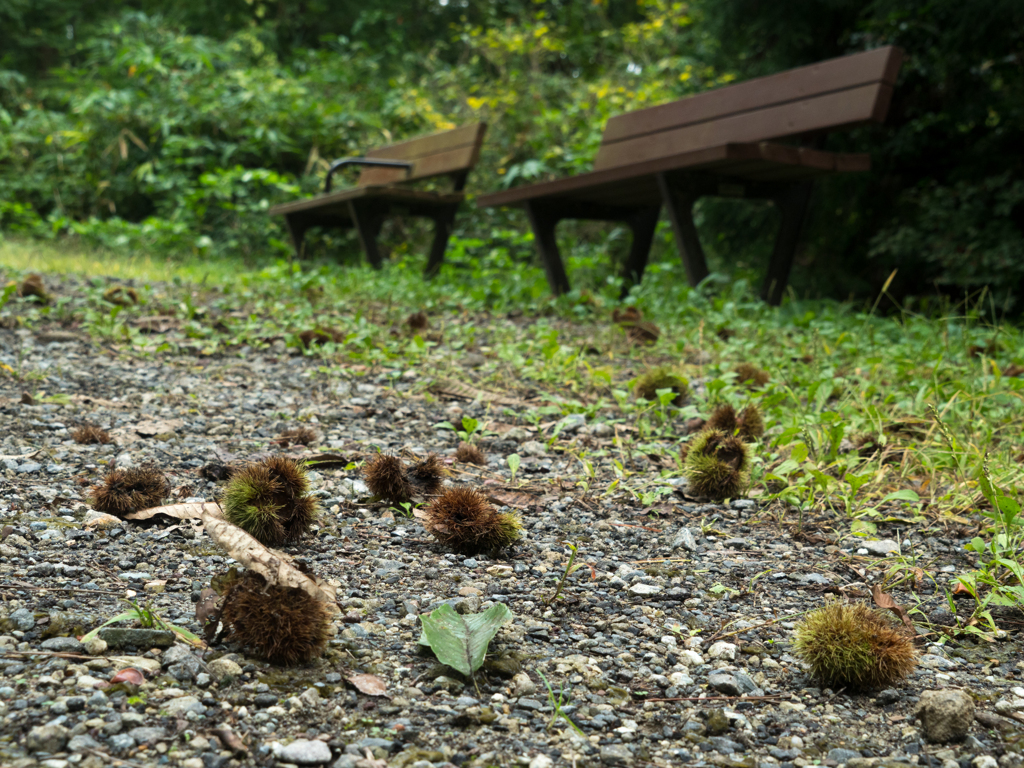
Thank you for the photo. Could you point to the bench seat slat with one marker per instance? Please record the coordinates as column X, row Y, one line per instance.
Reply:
column 400, row 195
column 728, row 159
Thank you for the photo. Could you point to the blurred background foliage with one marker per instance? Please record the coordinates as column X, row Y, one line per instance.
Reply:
column 172, row 127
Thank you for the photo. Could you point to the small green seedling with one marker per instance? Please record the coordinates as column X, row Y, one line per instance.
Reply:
column 513, row 464
column 556, row 706
column 149, row 619
column 570, row 568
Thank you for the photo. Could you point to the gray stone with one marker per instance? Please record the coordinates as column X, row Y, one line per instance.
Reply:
column 181, row 705
column 616, row 754
column 143, row 734
column 841, row 755
column 933, row 661
column 174, row 655
column 736, row 543
column 725, row 746
column 223, row 669
column 722, row 650
column 533, row 448
column 20, row 619
column 945, row 715
column 47, row 738
column 733, row 683
column 121, row 742
column 644, row 589
column 62, row 645
column 82, row 742
column 685, row 539
column 118, row 637
column 305, row 752
column 187, row 669
column 879, row 547
column 30, row 466
column 571, row 424
column 96, row 646
column 813, row 578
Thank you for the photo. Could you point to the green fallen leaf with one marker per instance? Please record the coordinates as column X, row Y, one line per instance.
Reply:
column 461, row 641
column 903, row 495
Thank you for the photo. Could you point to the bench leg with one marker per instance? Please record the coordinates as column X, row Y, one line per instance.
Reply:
column 642, row 223
column 444, row 221
column 543, row 224
column 793, row 204
column 297, row 229
column 367, row 219
column 680, row 212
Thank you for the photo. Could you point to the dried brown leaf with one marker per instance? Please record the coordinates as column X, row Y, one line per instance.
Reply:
column 371, row 685
column 128, row 675
column 208, row 612
column 157, row 324
column 326, row 460
column 276, row 567
column 883, row 600
column 230, row 739
column 191, row 511
column 459, row 389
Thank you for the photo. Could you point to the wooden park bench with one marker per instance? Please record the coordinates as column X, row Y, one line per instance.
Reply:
column 385, row 188
column 724, row 143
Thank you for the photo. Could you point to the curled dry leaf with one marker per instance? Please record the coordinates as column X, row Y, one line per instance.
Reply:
column 208, row 613
column 128, row 675
column 276, row 567
column 230, row 739
column 191, row 511
column 371, row 685
column 883, row 600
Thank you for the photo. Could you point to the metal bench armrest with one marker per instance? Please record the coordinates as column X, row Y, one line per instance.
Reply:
column 337, row 165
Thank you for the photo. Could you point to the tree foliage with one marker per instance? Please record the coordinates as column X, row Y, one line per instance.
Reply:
column 176, row 126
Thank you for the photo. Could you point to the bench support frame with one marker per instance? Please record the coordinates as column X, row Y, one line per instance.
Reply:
column 679, row 193
column 545, row 215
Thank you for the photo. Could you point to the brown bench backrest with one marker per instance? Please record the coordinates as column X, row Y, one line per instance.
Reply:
column 830, row 94
column 450, row 153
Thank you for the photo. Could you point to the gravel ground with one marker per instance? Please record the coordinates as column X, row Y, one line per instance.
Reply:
column 672, row 647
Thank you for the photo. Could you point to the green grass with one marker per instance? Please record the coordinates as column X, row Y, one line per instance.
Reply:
column 67, row 258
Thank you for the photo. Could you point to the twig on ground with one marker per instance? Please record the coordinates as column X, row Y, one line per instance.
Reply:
column 115, row 761
column 719, row 636
column 58, row 654
column 770, row 697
